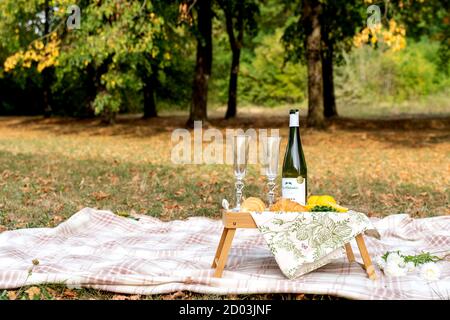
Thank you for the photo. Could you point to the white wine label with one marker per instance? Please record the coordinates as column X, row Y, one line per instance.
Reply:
column 294, row 189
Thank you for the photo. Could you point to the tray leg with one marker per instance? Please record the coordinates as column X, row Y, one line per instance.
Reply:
column 219, row 247
column 365, row 257
column 349, row 251
column 224, row 253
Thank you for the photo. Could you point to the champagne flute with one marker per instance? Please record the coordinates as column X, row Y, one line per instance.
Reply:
column 240, row 159
column 271, row 153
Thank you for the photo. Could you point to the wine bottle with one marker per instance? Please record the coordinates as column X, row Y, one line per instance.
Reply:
column 294, row 179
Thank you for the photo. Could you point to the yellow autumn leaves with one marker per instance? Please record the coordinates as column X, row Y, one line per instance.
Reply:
column 393, row 37
column 45, row 55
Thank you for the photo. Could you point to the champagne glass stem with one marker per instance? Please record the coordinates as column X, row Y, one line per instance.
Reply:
column 239, row 186
column 271, row 193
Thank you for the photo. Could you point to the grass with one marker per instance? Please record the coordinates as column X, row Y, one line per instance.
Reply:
column 49, row 169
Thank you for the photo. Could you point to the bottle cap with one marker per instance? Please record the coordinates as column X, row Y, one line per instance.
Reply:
column 294, row 118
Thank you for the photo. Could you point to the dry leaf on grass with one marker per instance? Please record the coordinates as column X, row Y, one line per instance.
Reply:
column 69, row 293
column 2, row 228
column 33, row 292
column 124, row 297
column 100, row 195
column 51, row 292
column 12, row 295
column 176, row 295
column 114, row 179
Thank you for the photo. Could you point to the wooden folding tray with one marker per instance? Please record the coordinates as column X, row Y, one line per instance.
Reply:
column 235, row 220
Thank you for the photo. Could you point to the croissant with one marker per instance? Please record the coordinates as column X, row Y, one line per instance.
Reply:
column 253, row 204
column 287, row 205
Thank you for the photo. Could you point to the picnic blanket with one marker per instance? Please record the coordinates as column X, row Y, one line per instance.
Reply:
column 101, row 250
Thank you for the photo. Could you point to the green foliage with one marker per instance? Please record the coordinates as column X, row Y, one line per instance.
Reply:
column 267, row 79
column 369, row 75
column 116, row 39
column 103, row 66
column 20, row 89
column 417, row 259
column 340, row 19
column 323, row 209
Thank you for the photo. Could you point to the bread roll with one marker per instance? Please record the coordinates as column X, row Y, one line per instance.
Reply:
column 253, row 204
column 286, row 205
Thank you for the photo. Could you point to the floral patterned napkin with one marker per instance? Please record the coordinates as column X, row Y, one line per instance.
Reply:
column 304, row 241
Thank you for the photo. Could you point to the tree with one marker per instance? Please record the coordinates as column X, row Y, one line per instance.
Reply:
column 151, row 83
column 47, row 73
column 303, row 41
column 203, row 63
column 311, row 11
column 428, row 18
column 165, row 43
column 339, row 22
column 239, row 17
column 120, row 40
column 35, row 44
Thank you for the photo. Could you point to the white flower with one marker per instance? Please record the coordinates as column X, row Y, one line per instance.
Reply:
column 410, row 266
column 430, row 271
column 393, row 269
column 381, row 262
column 395, row 258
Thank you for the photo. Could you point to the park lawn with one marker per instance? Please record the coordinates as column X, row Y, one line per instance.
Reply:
column 50, row 169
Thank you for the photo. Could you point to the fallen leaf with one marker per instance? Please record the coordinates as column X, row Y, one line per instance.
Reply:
column 51, row 292
column 33, row 292
column 100, row 195
column 114, row 179
column 57, row 218
column 12, row 295
column 176, row 295
column 2, row 228
column 135, row 178
column 69, row 293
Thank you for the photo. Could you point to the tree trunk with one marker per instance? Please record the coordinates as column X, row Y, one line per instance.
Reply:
column 108, row 117
column 232, row 87
column 46, row 90
column 149, row 94
column 198, row 110
column 329, row 99
column 46, row 93
column 311, row 14
column 235, row 45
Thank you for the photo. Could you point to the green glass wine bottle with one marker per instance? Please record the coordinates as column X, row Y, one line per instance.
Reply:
column 294, row 174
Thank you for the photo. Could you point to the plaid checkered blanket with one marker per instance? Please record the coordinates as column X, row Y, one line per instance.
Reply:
column 101, row 250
